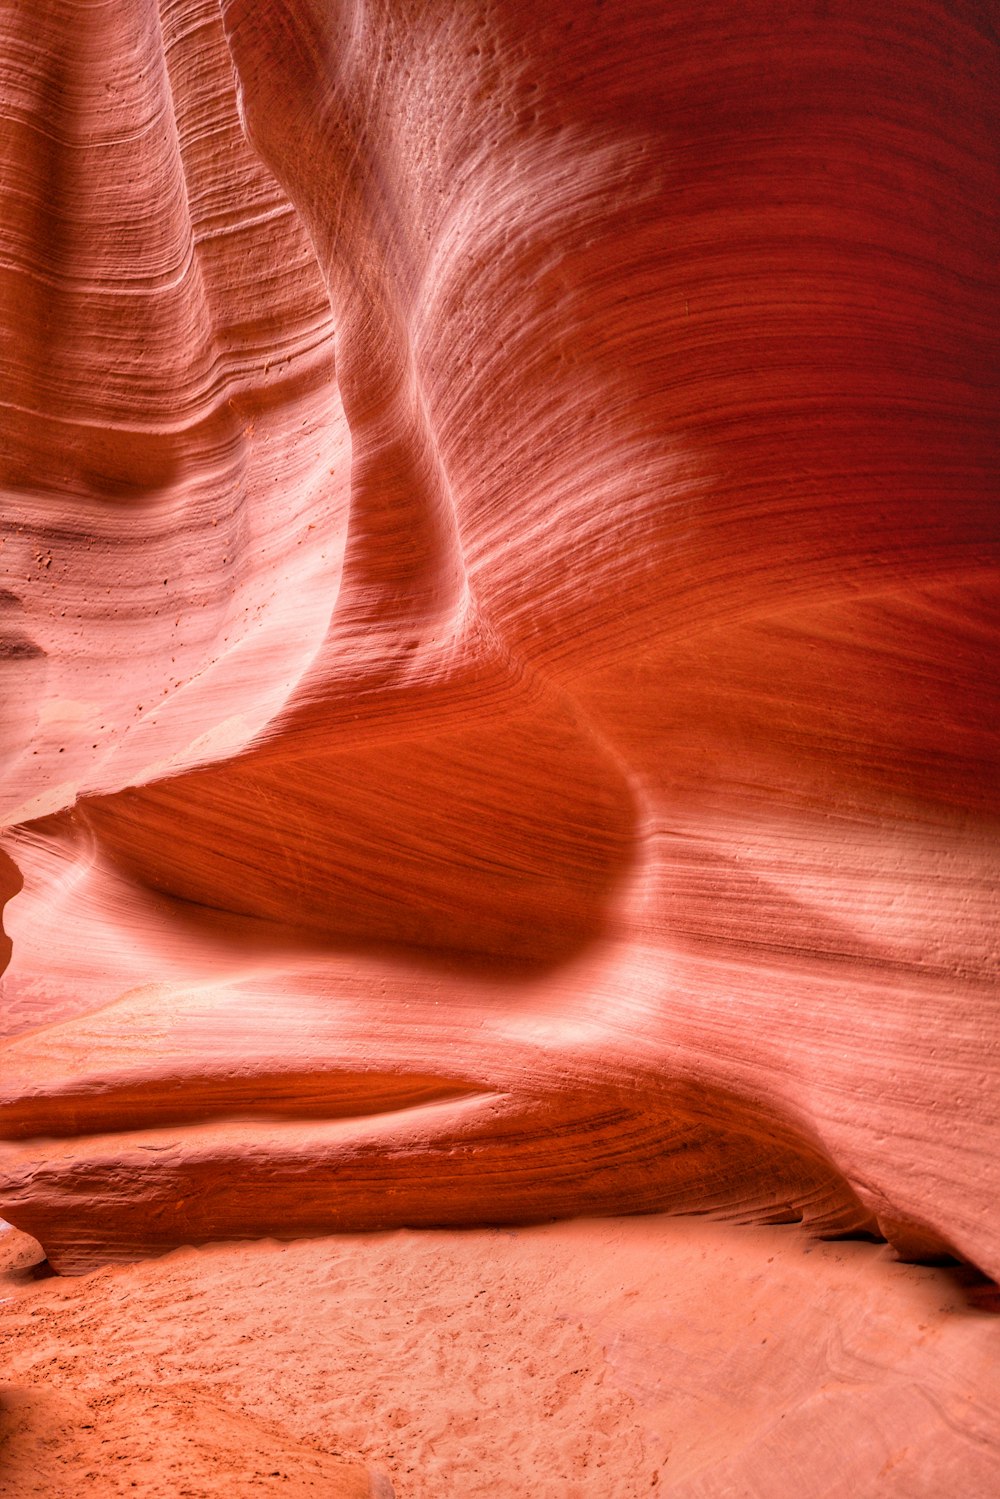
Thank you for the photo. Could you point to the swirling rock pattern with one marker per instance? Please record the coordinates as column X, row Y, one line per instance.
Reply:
column 499, row 653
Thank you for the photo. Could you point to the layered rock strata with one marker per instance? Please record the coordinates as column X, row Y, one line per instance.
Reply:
column 500, row 640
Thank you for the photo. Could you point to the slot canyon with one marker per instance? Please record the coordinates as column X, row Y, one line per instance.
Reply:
column 499, row 749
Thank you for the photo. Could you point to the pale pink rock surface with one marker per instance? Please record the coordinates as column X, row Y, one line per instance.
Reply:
column 500, row 694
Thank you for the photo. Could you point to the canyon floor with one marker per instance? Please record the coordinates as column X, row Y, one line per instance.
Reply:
column 596, row 1359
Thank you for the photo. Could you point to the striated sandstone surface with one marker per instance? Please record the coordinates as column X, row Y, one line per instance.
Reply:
column 499, row 666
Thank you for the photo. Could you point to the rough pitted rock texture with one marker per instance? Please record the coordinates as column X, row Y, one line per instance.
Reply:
column 499, row 664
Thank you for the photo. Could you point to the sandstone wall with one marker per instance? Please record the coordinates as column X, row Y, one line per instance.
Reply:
column 499, row 668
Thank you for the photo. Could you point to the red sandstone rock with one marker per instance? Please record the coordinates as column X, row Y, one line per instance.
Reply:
column 500, row 686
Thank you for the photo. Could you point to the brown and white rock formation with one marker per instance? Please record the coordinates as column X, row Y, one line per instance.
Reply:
column 500, row 682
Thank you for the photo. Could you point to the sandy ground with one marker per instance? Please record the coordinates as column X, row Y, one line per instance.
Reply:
column 586, row 1360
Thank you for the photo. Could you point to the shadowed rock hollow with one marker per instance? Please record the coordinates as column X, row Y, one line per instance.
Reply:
column 499, row 655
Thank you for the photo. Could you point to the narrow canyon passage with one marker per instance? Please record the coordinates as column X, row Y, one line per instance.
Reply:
column 498, row 688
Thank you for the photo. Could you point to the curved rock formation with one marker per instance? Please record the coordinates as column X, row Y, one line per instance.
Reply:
column 500, row 678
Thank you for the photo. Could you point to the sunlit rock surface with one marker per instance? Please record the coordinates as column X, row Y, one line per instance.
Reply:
column 499, row 653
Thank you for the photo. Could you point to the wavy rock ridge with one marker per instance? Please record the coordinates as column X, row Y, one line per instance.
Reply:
column 499, row 618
